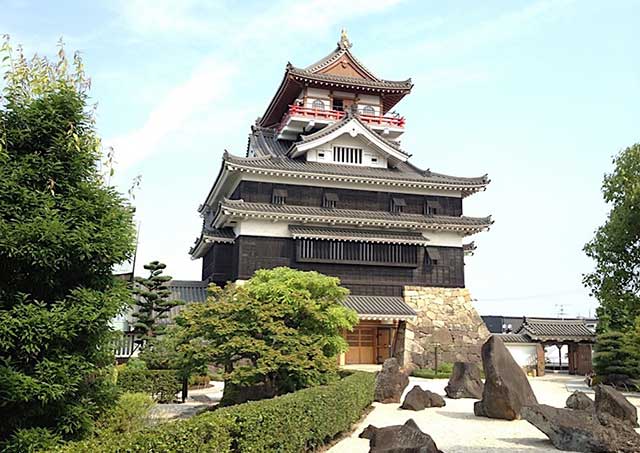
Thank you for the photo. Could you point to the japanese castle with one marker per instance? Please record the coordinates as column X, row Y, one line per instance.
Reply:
column 326, row 185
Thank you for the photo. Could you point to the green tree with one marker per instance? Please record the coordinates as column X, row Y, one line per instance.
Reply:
column 153, row 302
column 613, row 355
column 615, row 282
column 62, row 229
column 279, row 332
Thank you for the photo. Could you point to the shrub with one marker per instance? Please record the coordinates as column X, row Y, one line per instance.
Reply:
column 444, row 372
column 279, row 332
column 130, row 413
column 31, row 440
column 135, row 364
column 162, row 385
column 296, row 422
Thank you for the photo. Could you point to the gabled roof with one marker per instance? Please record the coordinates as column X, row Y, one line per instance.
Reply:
column 380, row 307
column 350, row 124
column 334, row 57
column 229, row 209
column 331, row 72
column 557, row 330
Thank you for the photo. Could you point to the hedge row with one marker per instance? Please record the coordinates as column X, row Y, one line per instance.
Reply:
column 291, row 423
column 162, row 385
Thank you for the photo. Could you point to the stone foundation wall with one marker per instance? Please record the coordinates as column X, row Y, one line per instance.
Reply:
column 446, row 321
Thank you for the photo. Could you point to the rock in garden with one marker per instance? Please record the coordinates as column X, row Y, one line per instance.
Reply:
column 506, row 388
column 418, row 399
column 612, row 402
column 583, row 431
column 580, row 401
column 405, row 438
column 465, row 381
column 390, row 382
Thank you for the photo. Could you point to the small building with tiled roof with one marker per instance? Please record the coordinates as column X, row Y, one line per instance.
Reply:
column 528, row 341
column 326, row 185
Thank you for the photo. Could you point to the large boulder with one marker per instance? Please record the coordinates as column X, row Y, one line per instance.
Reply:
column 612, row 402
column 506, row 388
column 418, row 399
column 580, row 401
column 390, row 382
column 582, row 431
column 465, row 381
column 405, row 438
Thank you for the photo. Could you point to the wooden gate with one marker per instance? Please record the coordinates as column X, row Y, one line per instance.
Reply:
column 361, row 346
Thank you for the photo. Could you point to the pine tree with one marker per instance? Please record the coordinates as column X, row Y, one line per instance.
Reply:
column 154, row 303
column 613, row 355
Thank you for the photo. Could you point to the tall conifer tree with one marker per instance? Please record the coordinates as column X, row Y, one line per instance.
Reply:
column 62, row 229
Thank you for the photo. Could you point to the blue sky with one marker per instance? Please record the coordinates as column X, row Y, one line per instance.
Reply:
column 539, row 94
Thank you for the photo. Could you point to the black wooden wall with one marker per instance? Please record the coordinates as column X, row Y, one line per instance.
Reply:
column 260, row 192
column 250, row 253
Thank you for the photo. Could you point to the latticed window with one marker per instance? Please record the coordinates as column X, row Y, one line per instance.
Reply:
column 348, row 252
column 347, row 155
column 318, row 104
column 368, row 110
column 432, row 208
column 330, row 200
column 398, row 204
column 279, row 196
column 432, row 256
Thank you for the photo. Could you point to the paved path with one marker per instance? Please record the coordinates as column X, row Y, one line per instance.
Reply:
column 455, row 429
column 198, row 401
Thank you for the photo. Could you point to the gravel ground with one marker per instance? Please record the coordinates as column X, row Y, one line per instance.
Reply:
column 455, row 429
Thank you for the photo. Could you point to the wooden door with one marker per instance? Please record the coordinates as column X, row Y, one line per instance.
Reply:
column 361, row 346
column 383, row 344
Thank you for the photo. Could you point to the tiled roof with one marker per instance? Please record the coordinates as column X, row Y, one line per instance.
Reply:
column 211, row 235
column 403, row 173
column 188, row 290
column 379, row 307
column 464, row 224
column 556, row 330
column 341, row 49
column 263, row 142
column 358, row 235
column 218, row 234
column 304, row 74
column 513, row 338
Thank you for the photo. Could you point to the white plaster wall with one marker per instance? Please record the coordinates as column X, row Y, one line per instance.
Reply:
column 268, row 228
column 523, row 353
column 370, row 158
column 262, row 228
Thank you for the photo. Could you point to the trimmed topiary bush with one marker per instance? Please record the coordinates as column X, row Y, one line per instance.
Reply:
column 292, row 423
column 162, row 385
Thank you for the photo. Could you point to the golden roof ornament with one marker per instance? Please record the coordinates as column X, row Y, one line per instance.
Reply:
column 344, row 42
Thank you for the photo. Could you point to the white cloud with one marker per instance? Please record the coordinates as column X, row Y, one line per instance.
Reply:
column 496, row 29
column 231, row 23
column 208, row 83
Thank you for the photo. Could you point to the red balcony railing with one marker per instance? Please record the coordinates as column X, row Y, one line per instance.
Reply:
column 335, row 115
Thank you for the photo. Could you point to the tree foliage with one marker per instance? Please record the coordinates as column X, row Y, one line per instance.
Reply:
column 616, row 354
column 615, row 282
column 280, row 331
column 61, row 231
column 153, row 301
